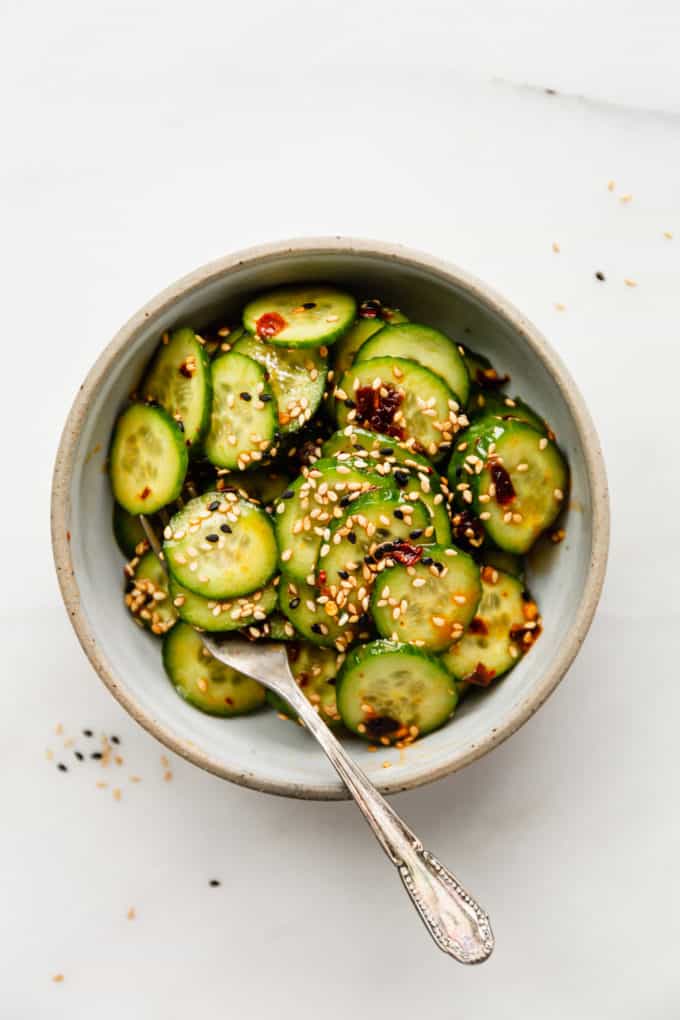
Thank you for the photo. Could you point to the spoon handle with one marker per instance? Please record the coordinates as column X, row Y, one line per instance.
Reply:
column 454, row 920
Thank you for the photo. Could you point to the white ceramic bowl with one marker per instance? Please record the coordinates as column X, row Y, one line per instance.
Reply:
column 261, row 751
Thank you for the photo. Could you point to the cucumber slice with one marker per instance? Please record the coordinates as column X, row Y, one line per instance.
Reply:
column 323, row 490
column 315, row 670
column 243, row 423
column 376, row 530
column 219, row 615
column 505, row 561
column 146, row 594
column 306, row 608
column 220, row 546
column 297, row 378
column 264, row 485
column 148, row 459
column 203, row 681
column 430, row 603
column 513, row 478
column 128, row 532
column 482, row 373
column 485, row 404
column 300, row 316
column 497, row 636
column 417, row 474
column 179, row 379
column 373, row 315
column 429, row 347
column 393, row 692
column 402, row 399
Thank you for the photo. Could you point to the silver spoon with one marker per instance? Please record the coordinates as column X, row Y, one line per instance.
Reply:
column 455, row 921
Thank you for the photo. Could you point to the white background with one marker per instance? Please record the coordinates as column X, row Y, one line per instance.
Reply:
column 140, row 140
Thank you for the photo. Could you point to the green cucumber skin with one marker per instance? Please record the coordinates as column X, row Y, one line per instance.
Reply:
column 355, row 440
column 127, row 531
column 426, row 346
column 169, row 495
column 271, row 301
column 485, row 404
column 187, row 336
column 357, row 657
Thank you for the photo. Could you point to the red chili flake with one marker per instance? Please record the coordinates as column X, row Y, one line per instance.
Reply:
column 405, row 553
column 478, row 626
column 481, row 676
column 185, row 370
column 229, row 701
column 145, row 493
column 468, row 530
column 68, row 536
column 505, row 490
column 376, row 412
column 269, row 324
column 323, row 577
column 525, row 636
column 370, row 309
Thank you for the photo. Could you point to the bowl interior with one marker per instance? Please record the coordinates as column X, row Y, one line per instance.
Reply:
column 261, row 750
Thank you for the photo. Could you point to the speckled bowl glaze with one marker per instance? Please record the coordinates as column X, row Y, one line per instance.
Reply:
column 261, row 751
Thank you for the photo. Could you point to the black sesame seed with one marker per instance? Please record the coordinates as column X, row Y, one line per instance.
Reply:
column 214, row 882
column 265, row 397
column 214, row 505
column 79, row 755
column 351, row 537
column 343, row 574
column 316, row 627
column 427, row 561
column 88, row 733
column 245, row 396
column 401, row 478
column 225, row 528
column 350, row 404
column 62, row 767
column 294, row 603
column 386, row 451
column 309, row 304
column 416, row 533
column 288, row 494
column 368, row 560
column 399, row 514
column 180, row 424
column 599, row 275
column 345, row 501
column 96, row 755
column 439, row 566
column 212, row 538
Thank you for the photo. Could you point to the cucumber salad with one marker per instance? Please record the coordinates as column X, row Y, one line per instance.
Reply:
column 328, row 474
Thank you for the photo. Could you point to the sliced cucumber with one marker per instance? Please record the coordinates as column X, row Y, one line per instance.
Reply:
column 373, row 315
column 481, row 371
column 264, row 485
column 297, row 378
column 148, row 459
column 429, row 603
column 315, row 670
column 128, row 532
column 203, row 681
column 485, row 404
column 179, row 379
column 393, row 692
column 220, row 546
column 243, row 423
column 513, row 478
column 308, row 611
column 300, row 316
column 410, row 471
column 306, row 510
column 219, row 615
column 147, row 596
column 496, row 638
column 376, row 530
column 402, row 399
column 429, row 347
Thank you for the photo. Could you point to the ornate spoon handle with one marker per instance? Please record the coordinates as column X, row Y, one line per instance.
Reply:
column 455, row 921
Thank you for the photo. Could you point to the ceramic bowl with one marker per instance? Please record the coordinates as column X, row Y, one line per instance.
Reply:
column 261, row 751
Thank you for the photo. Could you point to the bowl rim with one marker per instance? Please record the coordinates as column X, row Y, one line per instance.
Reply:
column 447, row 272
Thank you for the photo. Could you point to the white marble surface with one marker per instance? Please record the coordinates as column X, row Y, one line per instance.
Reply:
column 143, row 139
